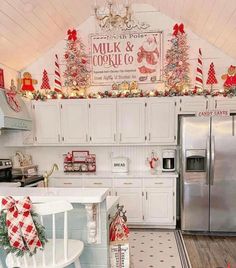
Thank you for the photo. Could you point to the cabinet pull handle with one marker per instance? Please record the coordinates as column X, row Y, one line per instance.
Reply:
column 59, row 137
column 114, row 137
column 128, row 183
column 120, row 137
column 207, row 104
column 86, row 137
column 216, row 104
column 98, row 183
column 90, row 138
column 63, row 139
column 115, row 193
column 149, row 136
column 158, row 182
column 35, row 138
column 67, row 183
column 146, row 196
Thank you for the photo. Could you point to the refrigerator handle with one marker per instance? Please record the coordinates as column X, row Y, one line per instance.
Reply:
column 212, row 159
column 208, row 161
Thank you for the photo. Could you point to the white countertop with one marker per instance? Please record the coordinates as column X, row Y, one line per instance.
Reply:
column 73, row 195
column 109, row 174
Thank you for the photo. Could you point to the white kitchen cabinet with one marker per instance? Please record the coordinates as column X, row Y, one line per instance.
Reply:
column 46, row 122
column 65, row 183
column 132, row 199
column 131, row 120
column 102, row 121
column 193, row 104
column 74, row 121
column 161, row 121
column 98, row 183
column 159, row 206
column 225, row 103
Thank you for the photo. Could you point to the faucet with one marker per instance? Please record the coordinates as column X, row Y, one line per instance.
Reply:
column 46, row 174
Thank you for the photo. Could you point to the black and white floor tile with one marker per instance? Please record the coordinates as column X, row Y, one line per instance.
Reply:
column 154, row 249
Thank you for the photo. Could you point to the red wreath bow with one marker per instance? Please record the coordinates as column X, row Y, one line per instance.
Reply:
column 72, row 35
column 178, row 29
column 21, row 228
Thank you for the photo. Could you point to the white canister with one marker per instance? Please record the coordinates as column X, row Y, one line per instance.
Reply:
column 120, row 165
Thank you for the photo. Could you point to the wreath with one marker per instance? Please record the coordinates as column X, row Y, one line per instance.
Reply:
column 20, row 230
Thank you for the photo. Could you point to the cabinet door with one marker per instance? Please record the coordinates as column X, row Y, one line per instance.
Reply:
column 159, row 206
column 191, row 105
column 131, row 120
column 225, row 103
column 46, row 122
column 132, row 201
column 65, row 183
column 74, row 121
column 161, row 121
column 102, row 121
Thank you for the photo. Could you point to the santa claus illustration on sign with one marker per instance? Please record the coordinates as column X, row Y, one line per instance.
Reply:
column 148, row 59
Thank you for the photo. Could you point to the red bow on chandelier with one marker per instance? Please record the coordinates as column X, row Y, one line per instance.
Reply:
column 178, row 29
column 72, row 35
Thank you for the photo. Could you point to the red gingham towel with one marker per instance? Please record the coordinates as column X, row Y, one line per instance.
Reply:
column 20, row 224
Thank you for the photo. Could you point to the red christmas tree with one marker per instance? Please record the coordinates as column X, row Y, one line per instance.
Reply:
column 45, row 81
column 211, row 80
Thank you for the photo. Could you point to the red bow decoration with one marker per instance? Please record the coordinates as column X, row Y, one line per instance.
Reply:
column 12, row 101
column 22, row 233
column 178, row 29
column 72, row 35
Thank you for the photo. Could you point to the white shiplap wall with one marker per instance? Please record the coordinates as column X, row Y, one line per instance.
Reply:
column 158, row 21
column 45, row 156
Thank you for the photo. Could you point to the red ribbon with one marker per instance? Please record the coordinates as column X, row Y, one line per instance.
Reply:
column 21, row 228
column 72, row 35
column 178, row 29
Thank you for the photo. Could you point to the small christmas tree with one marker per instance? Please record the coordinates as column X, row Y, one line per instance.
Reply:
column 211, row 80
column 77, row 76
column 45, row 81
column 176, row 70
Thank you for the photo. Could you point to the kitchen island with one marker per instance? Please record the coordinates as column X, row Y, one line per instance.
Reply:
column 88, row 221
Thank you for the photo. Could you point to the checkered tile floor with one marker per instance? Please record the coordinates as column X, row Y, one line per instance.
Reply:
column 154, row 249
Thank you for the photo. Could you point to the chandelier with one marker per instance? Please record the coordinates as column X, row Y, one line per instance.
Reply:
column 114, row 16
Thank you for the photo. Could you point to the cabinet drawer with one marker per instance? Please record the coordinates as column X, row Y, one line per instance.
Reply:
column 128, row 183
column 149, row 183
column 65, row 183
column 99, row 183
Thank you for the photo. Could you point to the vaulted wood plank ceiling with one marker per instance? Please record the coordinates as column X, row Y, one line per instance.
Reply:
column 29, row 27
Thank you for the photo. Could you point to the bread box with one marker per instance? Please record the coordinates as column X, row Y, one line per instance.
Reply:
column 120, row 165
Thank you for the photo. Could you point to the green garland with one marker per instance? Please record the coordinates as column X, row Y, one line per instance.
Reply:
column 4, row 240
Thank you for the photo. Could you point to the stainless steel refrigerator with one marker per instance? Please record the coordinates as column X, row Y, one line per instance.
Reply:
column 208, row 174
